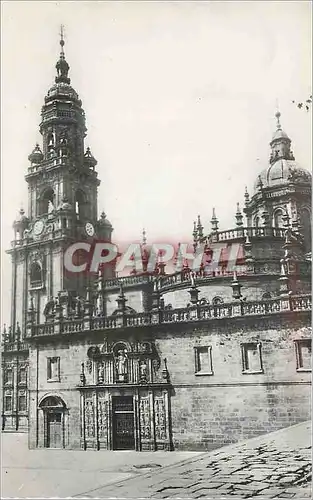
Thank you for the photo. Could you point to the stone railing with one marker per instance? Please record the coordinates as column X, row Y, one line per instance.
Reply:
column 252, row 232
column 128, row 280
column 296, row 303
column 14, row 346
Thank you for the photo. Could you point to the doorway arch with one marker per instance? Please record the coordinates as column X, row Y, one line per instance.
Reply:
column 54, row 415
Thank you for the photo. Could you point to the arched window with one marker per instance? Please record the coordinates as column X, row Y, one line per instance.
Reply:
column 306, row 228
column 256, row 221
column 46, row 202
column 50, row 144
column 80, row 204
column 266, row 296
column 35, row 274
column 278, row 218
column 217, row 300
column 63, row 145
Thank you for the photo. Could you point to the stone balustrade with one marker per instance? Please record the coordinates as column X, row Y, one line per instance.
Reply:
column 194, row 313
column 15, row 346
column 252, row 232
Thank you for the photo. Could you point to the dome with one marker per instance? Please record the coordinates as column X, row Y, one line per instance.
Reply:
column 280, row 134
column 89, row 159
column 103, row 221
column 36, row 155
column 282, row 172
column 21, row 220
column 63, row 89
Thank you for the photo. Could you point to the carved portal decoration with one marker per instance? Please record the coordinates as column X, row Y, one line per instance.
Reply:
column 122, row 362
column 102, row 416
column 150, row 417
column 145, row 419
column 89, row 416
column 160, row 423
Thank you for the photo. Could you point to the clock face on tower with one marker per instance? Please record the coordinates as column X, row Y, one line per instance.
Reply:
column 38, row 227
column 90, row 231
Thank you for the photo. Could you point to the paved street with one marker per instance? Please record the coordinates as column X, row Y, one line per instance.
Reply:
column 276, row 465
column 59, row 473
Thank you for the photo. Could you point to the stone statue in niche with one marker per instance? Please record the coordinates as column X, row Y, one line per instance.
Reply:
column 100, row 372
column 121, row 365
column 143, row 371
column 89, row 365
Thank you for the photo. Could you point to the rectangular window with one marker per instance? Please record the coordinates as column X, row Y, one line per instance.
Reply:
column 303, row 355
column 22, row 406
column 8, row 376
column 251, row 358
column 22, row 376
column 203, row 360
column 8, row 402
column 53, row 369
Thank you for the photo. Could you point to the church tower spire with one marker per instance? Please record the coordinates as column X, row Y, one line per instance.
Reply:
column 62, row 202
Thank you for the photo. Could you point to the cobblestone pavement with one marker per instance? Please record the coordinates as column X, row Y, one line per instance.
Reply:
column 276, row 465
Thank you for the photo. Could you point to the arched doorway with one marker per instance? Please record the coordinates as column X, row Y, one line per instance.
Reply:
column 54, row 409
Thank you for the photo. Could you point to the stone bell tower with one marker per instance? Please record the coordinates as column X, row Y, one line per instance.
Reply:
column 62, row 204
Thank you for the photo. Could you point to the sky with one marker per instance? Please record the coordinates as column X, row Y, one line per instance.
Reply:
column 179, row 97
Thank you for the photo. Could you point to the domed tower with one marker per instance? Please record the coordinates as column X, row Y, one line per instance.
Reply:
column 62, row 170
column 62, row 203
column 282, row 191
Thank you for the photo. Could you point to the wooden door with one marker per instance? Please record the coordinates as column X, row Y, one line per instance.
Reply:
column 123, row 423
column 54, row 430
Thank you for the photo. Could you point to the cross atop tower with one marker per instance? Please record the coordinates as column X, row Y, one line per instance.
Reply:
column 62, row 43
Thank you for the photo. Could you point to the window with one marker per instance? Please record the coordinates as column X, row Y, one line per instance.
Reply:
column 8, row 402
column 80, row 204
column 203, row 360
column 303, row 355
column 256, row 222
column 217, row 300
column 22, row 404
column 266, row 296
column 8, row 376
column 278, row 218
column 251, row 358
column 22, row 376
column 53, row 369
column 46, row 202
column 35, row 275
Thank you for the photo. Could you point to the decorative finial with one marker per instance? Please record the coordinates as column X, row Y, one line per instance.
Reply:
column 200, row 227
column 247, row 197
column 278, row 115
column 214, row 221
column 260, row 183
column 144, row 238
column 238, row 216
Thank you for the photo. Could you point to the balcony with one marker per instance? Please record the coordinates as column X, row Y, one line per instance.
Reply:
column 14, row 346
column 194, row 314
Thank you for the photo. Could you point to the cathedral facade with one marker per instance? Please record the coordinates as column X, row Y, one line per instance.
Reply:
column 156, row 360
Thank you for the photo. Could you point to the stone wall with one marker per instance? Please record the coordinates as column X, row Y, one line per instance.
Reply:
column 207, row 410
